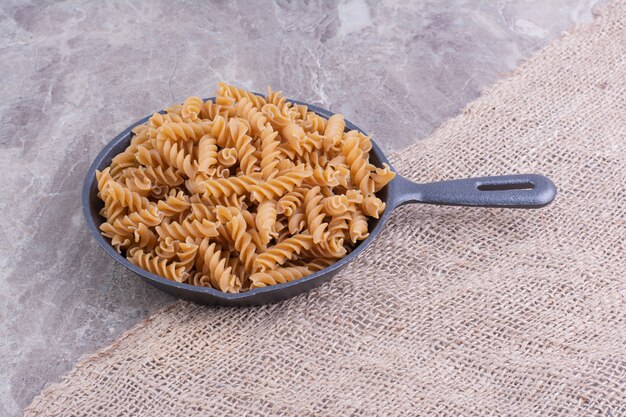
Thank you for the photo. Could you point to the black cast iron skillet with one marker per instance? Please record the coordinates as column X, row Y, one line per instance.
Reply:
column 508, row 191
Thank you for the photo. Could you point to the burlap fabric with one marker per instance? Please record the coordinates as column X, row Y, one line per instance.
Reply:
column 452, row 311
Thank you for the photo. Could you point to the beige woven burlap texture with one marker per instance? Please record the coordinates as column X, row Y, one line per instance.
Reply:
column 452, row 311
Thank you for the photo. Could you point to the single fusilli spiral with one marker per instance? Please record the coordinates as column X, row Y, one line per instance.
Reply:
column 282, row 252
column 314, row 215
column 284, row 166
column 127, row 158
column 246, row 110
column 227, row 186
column 382, row 177
column 193, row 228
column 161, row 176
column 242, row 240
column 103, row 178
column 192, row 106
column 335, row 205
column 288, row 109
column 359, row 165
column 279, row 186
column 126, row 197
column 365, row 143
column 207, row 153
column 238, row 270
column 313, row 123
column 243, row 144
column 221, row 133
column 289, row 203
column 329, row 248
column 215, row 265
column 226, row 90
column 201, row 211
column 175, row 203
column 127, row 225
column 276, row 98
column 358, row 227
column 269, row 152
column 297, row 221
column 152, row 263
column 184, row 131
column 136, row 180
column 339, row 225
column 322, row 177
column 323, row 251
column 149, row 157
column 158, row 119
column 121, row 162
column 112, row 209
column 227, row 157
column 373, row 206
column 266, row 220
column 186, row 254
column 275, row 117
column 144, row 237
column 354, row 197
column 334, row 131
column 223, row 106
column 294, row 135
column 278, row 276
column 167, row 248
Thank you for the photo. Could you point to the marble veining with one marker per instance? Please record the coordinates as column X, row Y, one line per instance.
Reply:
column 74, row 73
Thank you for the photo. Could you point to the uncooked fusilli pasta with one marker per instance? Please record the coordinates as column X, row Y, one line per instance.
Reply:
column 240, row 192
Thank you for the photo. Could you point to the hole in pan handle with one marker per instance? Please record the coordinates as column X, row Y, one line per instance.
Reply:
column 506, row 191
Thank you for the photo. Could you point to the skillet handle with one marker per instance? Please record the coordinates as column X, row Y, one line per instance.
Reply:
column 506, row 191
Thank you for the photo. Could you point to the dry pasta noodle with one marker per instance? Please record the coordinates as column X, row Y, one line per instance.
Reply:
column 239, row 193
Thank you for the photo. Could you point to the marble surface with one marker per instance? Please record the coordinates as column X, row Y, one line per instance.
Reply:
column 76, row 73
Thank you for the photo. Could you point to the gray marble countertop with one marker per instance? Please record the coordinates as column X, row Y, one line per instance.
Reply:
column 76, row 73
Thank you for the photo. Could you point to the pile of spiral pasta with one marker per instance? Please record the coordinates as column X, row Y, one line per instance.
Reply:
column 241, row 192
